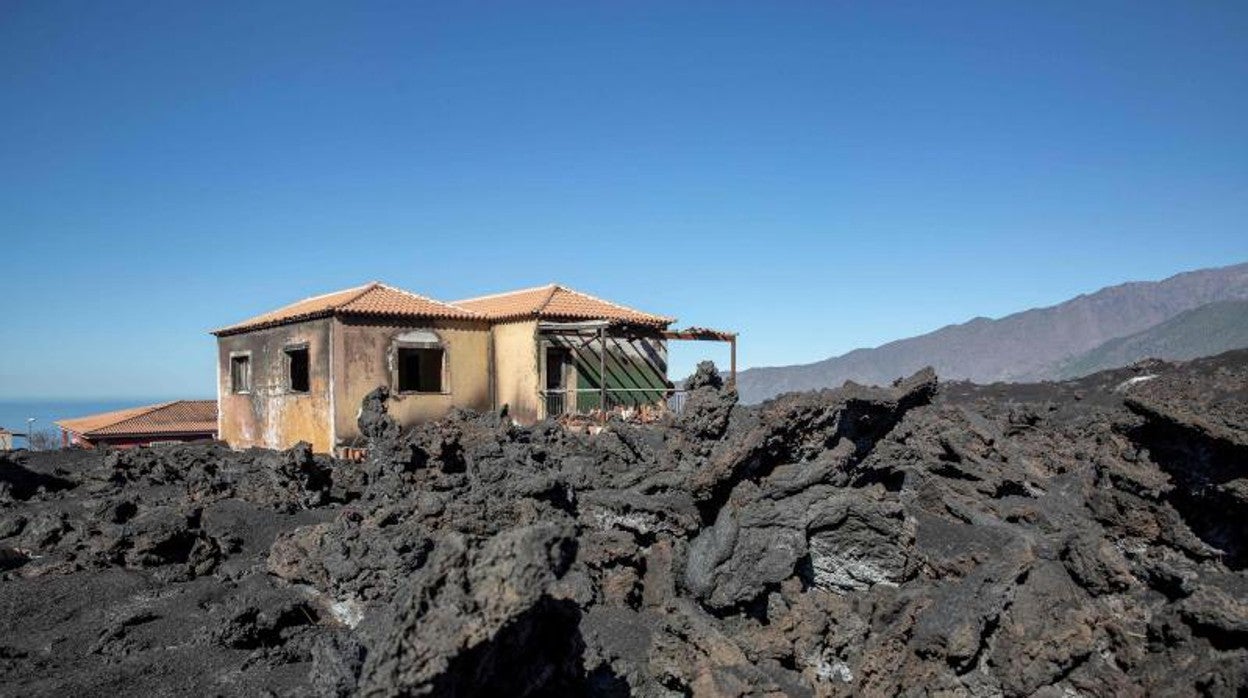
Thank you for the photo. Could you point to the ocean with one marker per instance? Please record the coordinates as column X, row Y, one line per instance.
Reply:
column 14, row 413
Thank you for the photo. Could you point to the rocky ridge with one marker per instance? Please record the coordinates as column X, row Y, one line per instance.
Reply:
column 1050, row 539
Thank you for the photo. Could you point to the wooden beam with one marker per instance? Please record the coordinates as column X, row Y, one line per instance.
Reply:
column 602, row 372
column 700, row 334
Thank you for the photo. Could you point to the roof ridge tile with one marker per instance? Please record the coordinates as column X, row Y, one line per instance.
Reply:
column 554, row 288
column 500, row 294
column 367, row 289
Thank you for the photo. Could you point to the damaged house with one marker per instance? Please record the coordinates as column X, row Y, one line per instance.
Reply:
column 299, row 373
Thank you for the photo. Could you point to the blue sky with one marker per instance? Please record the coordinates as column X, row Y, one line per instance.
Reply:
column 818, row 176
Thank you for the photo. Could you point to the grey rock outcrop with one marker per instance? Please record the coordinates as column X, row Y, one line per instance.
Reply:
column 1050, row 539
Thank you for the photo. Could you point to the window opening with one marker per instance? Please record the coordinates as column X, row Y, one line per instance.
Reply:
column 420, row 369
column 240, row 373
column 297, row 369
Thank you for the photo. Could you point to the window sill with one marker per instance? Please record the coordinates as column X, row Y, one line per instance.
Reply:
column 418, row 393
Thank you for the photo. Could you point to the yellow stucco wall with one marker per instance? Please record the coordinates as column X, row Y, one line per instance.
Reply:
column 270, row 416
column 517, row 371
column 363, row 354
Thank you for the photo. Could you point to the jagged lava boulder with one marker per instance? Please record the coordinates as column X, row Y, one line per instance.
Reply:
column 1078, row 538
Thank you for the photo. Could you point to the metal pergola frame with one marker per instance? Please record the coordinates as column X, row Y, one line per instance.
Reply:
column 597, row 330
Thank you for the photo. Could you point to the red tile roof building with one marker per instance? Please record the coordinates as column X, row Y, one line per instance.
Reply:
column 179, row 420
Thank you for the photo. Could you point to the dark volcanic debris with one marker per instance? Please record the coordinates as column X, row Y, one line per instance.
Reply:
column 1056, row 539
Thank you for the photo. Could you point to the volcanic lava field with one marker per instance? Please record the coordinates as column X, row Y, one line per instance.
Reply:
column 1054, row 539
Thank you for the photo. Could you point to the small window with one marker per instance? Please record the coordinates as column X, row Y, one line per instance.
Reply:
column 297, row 369
column 240, row 373
column 420, row 370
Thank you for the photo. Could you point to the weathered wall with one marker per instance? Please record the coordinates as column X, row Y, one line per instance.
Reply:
column 517, row 370
column 363, row 354
column 270, row 415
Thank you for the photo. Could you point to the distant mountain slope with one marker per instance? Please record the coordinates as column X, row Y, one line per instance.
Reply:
column 1022, row 346
column 1207, row 330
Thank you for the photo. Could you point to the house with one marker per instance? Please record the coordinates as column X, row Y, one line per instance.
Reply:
column 299, row 373
column 166, row 422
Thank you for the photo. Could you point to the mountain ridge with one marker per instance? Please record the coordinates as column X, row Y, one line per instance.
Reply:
column 1211, row 329
column 1017, row 347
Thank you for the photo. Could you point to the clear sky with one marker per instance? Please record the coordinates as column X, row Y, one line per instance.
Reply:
column 818, row 176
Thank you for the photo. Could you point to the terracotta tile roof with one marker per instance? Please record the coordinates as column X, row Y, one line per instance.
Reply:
column 177, row 417
column 557, row 302
column 370, row 299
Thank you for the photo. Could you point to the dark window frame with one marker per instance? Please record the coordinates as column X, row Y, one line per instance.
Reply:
column 288, row 353
column 403, row 387
column 240, row 359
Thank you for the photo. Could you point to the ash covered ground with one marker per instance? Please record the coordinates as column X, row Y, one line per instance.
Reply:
column 1082, row 538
